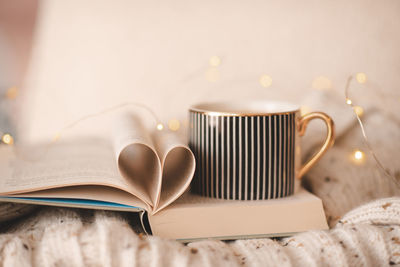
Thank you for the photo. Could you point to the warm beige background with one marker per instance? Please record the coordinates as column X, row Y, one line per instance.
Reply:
column 92, row 54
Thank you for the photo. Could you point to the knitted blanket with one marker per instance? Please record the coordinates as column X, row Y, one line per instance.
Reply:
column 359, row 201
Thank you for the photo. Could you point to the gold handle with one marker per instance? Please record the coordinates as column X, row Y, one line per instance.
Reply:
column 330, row 137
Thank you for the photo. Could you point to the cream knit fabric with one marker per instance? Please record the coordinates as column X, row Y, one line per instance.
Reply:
column 362, row 233
column 368, row 236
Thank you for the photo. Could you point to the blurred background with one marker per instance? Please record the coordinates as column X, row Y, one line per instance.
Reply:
column 60, row 60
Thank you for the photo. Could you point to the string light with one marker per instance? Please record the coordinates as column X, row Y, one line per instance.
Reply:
column 359, row 155
column 321, row 83
column 160, row 126
column 7, row 139
column 361, row 77
column 104, row 111
column 358, row 110
column 212, row 73
column 214, row 61
column 11, row 92
column 265, row 80
column 174, row 125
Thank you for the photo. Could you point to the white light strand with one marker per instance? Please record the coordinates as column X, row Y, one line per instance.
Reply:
column 366, row 141
column 107, row 110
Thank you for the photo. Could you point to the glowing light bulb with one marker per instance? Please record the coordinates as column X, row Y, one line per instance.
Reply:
column 359, row 110
column 7, row 139
column 160, row 127
column 348, row 101
column 361, row 77
column 265, row 80
column 174, row 125
column 214, row 61
column 358, row 156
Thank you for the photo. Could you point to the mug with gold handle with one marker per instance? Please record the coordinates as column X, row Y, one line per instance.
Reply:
column 250, row 150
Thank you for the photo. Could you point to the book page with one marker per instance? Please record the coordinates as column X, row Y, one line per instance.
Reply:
column 83, row 161
column 137, row 159
column 178, row 166
column 90, row 192
column 156, row 172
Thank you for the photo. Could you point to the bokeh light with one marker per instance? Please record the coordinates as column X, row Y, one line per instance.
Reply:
column 160, row 126
column 358, row 156
column 361, row 77
column 7, row 139
column 214, row 61
column 174, row 125
column 12, row 92
column 265, row 80
column 359, row 110
column 322, row 83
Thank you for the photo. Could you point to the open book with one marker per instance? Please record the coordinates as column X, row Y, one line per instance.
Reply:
column 144, row 172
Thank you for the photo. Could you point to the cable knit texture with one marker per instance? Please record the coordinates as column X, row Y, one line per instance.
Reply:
column 361, row 206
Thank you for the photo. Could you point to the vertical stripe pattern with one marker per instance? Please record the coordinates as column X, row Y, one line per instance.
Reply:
column 243, row 158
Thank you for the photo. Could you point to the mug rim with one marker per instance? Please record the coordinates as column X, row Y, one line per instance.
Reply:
column 211, row 108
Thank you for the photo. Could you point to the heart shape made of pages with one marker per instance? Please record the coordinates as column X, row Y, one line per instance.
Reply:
column 157, row 180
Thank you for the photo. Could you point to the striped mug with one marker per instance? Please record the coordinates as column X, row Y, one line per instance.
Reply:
column 250, row 150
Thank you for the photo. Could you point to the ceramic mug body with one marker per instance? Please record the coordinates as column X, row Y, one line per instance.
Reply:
column 249, row 151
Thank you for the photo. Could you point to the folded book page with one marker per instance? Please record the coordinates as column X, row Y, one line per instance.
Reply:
column 137, row 158
column 159, row 167
column 178, row 166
